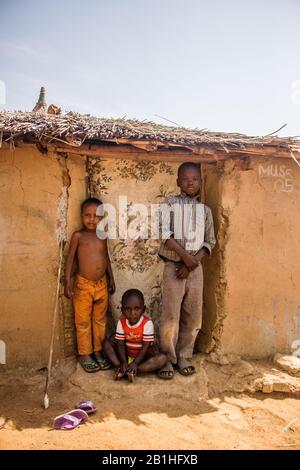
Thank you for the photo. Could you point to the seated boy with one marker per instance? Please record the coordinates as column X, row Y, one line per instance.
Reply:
column 134, row 349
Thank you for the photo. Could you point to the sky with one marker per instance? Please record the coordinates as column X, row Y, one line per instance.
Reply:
column 230, row 66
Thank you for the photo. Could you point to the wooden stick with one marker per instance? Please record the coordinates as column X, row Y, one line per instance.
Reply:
column 49, row 367
column 286, row 428
column 168, row 120
column 293, row 156
column 267, row 135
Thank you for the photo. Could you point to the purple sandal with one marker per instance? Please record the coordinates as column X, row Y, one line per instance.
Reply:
column 70, row 420
column 87, row 406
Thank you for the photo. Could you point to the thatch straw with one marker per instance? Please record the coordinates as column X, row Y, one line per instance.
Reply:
column 74, row 129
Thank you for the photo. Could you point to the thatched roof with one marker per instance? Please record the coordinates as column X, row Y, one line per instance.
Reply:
column 74, row 129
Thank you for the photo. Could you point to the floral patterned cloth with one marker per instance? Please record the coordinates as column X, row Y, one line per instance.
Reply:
column 134, row 261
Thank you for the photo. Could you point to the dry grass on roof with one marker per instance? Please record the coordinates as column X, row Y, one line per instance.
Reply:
column 75, row 129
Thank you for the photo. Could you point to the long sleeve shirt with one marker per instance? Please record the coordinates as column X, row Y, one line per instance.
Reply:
column 195, row 218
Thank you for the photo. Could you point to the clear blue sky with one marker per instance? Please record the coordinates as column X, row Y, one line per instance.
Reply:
column 222, row 65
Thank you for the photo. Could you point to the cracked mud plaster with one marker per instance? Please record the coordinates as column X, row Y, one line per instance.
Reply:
column 216, row 181
column 231, row 172
column 62, row 208
column 260, row 259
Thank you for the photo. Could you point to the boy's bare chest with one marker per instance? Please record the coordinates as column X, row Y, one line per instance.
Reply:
column 91, row 244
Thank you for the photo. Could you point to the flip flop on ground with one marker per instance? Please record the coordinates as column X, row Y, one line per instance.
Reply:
column 70, row 420
column 87, row 406
column 185, row 368
column 167, row 372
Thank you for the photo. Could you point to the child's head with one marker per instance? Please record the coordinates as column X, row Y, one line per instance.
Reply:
column 133, row 305
column 88, row 213
column 189, row 178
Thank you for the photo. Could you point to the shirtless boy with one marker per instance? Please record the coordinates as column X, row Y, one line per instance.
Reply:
column 90, row 290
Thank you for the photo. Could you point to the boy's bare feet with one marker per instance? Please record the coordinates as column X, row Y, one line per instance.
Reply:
column 167, row 372
column 119, row 374
column 131, row 376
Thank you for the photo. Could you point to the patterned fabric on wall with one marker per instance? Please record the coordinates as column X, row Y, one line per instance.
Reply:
column 135, row 262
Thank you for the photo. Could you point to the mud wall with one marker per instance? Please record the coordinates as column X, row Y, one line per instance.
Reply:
column 254, row 301
column 251, row 300
column 34, row 197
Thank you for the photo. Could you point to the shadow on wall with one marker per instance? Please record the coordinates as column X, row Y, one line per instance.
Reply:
column 209, row 336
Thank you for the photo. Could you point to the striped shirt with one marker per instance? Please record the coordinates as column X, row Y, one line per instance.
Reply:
column 192, row 229
column 134, row 335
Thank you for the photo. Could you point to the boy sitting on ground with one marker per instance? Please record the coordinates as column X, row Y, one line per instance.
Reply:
column 133, row 350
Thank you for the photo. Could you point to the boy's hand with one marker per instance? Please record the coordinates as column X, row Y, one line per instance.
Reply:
column 182, row 271
column 124, row 367
column 111, row 286
column 68, row 292
column 190, row 262
column 132, row 368
column 199, row 256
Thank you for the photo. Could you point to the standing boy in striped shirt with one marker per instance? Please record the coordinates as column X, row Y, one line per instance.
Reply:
column 190, row 236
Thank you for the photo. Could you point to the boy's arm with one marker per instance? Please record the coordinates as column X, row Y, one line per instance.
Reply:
column 147, row 341
column 133, row 366
column 209, row 243
column 69, row 263
column 189, row 260
column 111, row 282
column 209, row 236
column 167, row 222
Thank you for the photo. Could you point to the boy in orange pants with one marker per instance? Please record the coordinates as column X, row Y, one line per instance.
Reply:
column 90, row 290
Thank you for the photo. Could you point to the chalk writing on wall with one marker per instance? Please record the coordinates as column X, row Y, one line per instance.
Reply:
column 283, row 176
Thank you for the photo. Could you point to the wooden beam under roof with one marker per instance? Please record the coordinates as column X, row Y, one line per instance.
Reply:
column 126, row 151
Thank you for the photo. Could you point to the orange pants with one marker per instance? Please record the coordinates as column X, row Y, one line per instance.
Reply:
column 90, row 300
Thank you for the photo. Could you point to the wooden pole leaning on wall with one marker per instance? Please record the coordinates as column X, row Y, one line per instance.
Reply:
column 54, row 318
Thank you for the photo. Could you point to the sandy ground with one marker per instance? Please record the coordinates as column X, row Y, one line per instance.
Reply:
column 185, row 413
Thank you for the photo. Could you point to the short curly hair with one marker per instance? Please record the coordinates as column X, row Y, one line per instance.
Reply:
column 90, row 201
column 132, row 293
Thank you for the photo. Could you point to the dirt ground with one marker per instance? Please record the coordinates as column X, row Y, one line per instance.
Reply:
column 217, row 408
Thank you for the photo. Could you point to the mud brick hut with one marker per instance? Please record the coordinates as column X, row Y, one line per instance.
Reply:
column 50, row 162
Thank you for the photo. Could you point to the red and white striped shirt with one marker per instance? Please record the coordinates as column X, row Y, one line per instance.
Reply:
column 134, row 335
